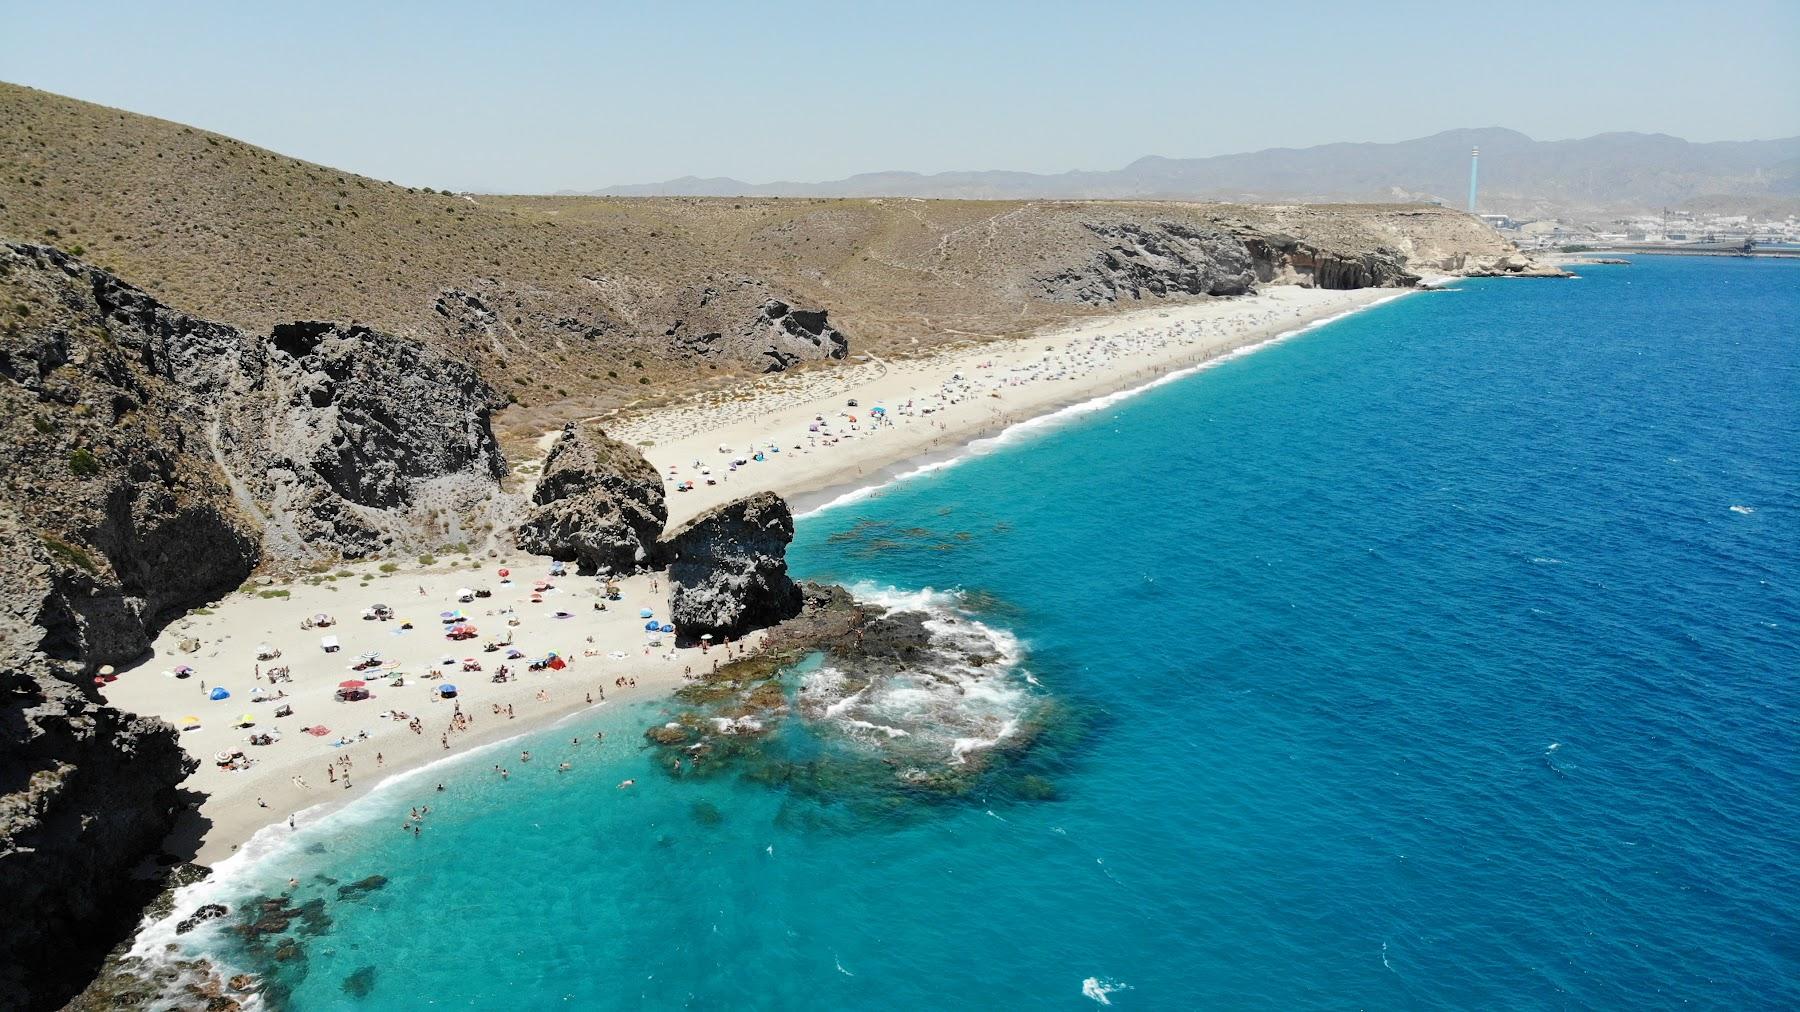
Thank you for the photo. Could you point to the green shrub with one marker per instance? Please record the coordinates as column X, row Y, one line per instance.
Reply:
column 272, row 593
column 427, row 559
column 388, row 567
column 83, row 465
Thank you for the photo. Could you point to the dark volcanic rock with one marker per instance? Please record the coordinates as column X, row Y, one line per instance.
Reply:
column 1167, row 258
column 207, row 912
column 156, row 458
column 728, row 569
column 599, row 504
column 86, row 793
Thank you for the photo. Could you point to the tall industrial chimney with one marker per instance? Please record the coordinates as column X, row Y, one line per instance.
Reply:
column 1474, row 160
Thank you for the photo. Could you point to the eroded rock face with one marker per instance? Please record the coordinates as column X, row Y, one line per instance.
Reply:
column 86, row 792
column 728, row 569
column 1282, row 258
column 154, row 458
column 773, row 337
column 599, row 504
column 1160, row 259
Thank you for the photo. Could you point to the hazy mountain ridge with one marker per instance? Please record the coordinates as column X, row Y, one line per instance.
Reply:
column 1519, row 175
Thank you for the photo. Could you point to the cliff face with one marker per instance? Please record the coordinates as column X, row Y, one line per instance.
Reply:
column 157, row 458
column 598, row 504
column 86, row 792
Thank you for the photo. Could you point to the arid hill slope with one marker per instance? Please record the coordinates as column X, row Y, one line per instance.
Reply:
column 574, row 304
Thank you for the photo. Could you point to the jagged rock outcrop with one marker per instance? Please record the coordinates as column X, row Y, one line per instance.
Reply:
column 1149, row 260
column 157, row 457
column 86, row 793
column 775, row 336
column 1284, row 259
column 728, row 569
column 599, row 504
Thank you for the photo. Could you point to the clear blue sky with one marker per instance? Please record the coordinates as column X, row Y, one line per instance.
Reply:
column 524, row 97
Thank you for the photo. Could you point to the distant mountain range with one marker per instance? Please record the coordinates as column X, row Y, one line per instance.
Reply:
column 1606, row 173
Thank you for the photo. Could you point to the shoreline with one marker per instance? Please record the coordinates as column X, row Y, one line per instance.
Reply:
column 825, row 476
column 958, row 397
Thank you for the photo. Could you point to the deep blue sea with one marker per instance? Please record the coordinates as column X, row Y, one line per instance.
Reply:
column 1441, row 657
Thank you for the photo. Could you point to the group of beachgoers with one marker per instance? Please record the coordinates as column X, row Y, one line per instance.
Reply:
column 1076, row 357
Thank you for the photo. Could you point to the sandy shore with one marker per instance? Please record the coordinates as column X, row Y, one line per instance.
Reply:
column 812, row 443
column 811, row 438
column 297, row 772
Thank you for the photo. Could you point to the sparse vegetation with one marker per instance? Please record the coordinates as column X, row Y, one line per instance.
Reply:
column 69, row 553
column 82, row 464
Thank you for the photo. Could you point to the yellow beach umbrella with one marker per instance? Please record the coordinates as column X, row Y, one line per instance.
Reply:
column 247, row 719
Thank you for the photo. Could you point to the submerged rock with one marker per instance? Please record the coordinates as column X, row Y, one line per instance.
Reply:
column 728, row 569
column 599, row 504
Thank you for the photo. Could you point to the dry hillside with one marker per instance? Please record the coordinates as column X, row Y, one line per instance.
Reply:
column 570, row 305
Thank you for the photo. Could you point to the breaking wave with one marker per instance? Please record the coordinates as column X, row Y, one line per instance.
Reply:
column 966, row 694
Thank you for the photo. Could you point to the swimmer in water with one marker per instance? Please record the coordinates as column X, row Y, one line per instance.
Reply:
column 626, row 783
column 563, row 768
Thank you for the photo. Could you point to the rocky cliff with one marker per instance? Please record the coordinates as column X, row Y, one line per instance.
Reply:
column 154, row 458
column 86, row 792
column 728, row 569
column 151, row 460
column 598, row 504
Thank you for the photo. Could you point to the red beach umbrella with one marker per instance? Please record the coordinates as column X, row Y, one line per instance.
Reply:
column 352, row 684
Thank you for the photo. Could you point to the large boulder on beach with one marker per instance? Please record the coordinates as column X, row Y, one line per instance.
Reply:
column 598, row 504
column 728, row 569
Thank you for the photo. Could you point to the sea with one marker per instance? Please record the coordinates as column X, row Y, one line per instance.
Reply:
column 1442, row 656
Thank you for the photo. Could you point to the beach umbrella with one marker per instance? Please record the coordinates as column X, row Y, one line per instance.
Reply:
column 446, row 690
column 447, row 615
column 190, row 719
column 352, row 683
column 106, row 670
column 182, row 671
column 666, row 627
column 246, row 719
column 514, row 653
column 505, row 572
column 706, row 636
column 645, row 613
column 219, row 693
column 652, row 626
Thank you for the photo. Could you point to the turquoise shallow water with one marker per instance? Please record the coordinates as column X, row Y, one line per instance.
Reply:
column 1419, row 661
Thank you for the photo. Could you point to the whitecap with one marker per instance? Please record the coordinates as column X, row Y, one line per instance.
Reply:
column 1101, row 990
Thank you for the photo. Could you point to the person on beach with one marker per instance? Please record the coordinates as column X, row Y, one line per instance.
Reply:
column 290, row 821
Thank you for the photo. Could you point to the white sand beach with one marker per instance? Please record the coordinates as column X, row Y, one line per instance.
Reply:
column 800, row 433
column 792, row 433
column 300, row 770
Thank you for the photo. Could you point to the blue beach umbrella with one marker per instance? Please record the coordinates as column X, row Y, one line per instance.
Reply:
column 446, row 690
column 645, row 613
column 652, row 626
column 667, row 627
column 219, row 693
